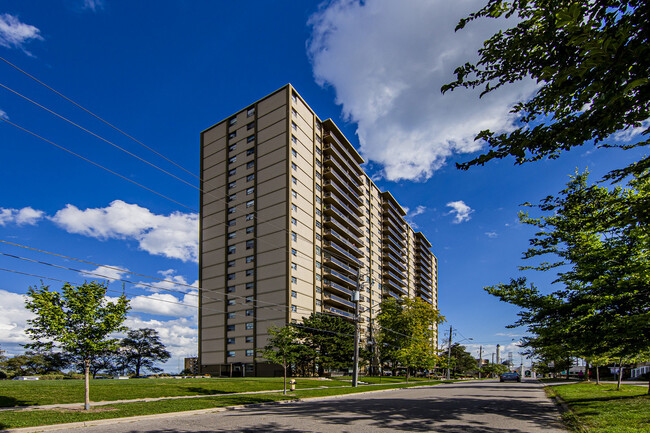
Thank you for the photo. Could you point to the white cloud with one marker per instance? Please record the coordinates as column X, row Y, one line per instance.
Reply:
column 93, row 5
column 13, row 318
column 460, row 210
column 419, row 210
column 491, row 235
column 108, row 272
column 166, row 304
column 24, row 216
column 15, row 34
column 387, row 63
column 4, row 115
column 628, row 135
column 172, row 282
column 173, row 236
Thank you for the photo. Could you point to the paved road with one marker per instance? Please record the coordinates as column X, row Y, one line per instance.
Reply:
column 468, row 407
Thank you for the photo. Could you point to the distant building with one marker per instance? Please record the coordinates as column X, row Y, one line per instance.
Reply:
column 290, row 225
column 192, row 364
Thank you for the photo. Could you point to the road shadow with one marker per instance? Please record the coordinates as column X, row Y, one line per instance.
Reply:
column 11, row 402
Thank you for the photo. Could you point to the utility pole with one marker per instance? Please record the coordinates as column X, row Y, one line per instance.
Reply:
column 480, row 361
column 449, row 353
column 355, row 368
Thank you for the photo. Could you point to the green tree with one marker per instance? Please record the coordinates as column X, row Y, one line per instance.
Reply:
column 494, row 369
column 598, row 243
column 591, row 60
column 79, row 321
column 142, row 348
column 283, row 348
column 407, row 336
column 331, row 340
column 462, row 362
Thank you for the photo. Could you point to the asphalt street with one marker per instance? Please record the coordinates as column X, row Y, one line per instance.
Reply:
column 467, row 407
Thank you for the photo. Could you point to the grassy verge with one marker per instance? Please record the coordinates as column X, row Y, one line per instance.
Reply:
column 601, row 408
column 28, row 393
column 36, row 417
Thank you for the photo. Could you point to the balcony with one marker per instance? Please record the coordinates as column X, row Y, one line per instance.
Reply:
column 393, row 294
column 426, row 299
column 390, row 239
column 340, row 276
column 397, row 252
column 394, row 276
column 333, row 222
column 353, row 225
column 389, row 230
column 353, row 213
column 423, row 251
column 351, row 247
column 353, row 200
column 335, row 286
column 342, row 150
column 427, row 292
column 336, row 262
column 340, row 250
column 392, row 212
column 336, row 311
column 422, row 263
column 337, row 299
column 391, row 284
column 393, row 268
column 422, row 271
column 343, row 177
column 333, row 159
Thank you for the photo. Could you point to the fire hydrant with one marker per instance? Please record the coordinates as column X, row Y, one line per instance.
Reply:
column 292, row 384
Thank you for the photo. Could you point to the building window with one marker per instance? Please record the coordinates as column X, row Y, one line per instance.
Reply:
column 250, row 151
column 230, row 289
column 318, row 163
column 294, row 221
column 318, row 188
column 232, row 276
column 230, row 340
column 232, row 235
column 294, row 180
column 318, row 265
column 318, row 237
column 294, row 113
column 249, row 286
column 250, row 272
column 294, row 266
column 318, row 212
column 318, row 251
column 250, row 138
column 294, row 153
column 230, row 327
column 232, row 135
column 294, row 308
column 250, row 112
column 250, row 217
column 294, row 280
column 249, row 338
column 318, row 127
column 249, row 325
column 250, row 126
column 294, row 98
column 232, row 197
column 318, row 290
column 232, row 249
column 232, row 172
column 250, row 259
column 250, row 244
column 232, row 159
column 318, row 277
column 294, row 294
column 294, row 193
column 294, row 208
column 318, row 224
column 250, row 190
column 250, row 177
column 294, row 126
column 294, row 140
column 232, row 121
column 294, row 252
column 318, row 200
column 249, row 312
column 318, row 302
column 294, row 166
column 232, row 185
column 294, row 236
column 231, row 315
column 250, row 203
column 249, row 299
column 231, row 354
column 232, row 223
column 232, row 209
column 232, row 147
column 250, row 164
column 318, row 176
column 250, row 229
column 231, row 302
column 249, row 352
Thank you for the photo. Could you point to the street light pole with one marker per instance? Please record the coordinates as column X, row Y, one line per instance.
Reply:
column 449, row 353
column 355, row 368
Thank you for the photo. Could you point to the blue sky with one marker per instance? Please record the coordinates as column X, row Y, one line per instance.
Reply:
column 164, row 71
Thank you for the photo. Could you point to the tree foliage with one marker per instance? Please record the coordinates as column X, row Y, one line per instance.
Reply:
column 78, row 320
column 591, row 60
column 407, row 334
column 597, row 240
column 141, row 349
column 331, row 340
column 284, row 348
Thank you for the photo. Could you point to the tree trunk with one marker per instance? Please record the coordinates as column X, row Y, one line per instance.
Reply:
column 284, row 391
column 587, row 372
column 408, row 370
column 597, row 375
column 620, row 374
column 87, row 384
column 568, row 368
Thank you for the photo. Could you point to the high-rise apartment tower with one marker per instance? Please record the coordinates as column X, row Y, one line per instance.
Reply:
column 290, row 225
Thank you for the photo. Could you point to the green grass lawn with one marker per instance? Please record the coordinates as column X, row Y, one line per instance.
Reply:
column 27, row 417
column 601, row 408
column 25, row 393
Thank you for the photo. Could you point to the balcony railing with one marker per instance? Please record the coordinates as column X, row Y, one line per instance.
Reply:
column 391, row 266
column 334, row 171
column 422, row 270
column 425, row 298
column 354, row 200
column 336, row 286
column 421, row 288
column 333, row 260
column 390, row 238
column 355, row 225
column 334, row 298
column 392, row 217
column 390, row 210
column 342, row 148
column 352, row 213
column 340, row 227
column 387, row 229
column 340, row 250
column 393, row 294
column 340, row 276
column 394, row 276
column 333, row 157
column 396, row 251
column 390, row 283
column 347, row 243
column 339, row 312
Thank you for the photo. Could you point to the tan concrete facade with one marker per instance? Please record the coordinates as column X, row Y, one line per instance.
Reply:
column 289, row 223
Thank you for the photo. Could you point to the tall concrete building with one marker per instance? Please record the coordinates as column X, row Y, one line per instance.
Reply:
column 290, row 224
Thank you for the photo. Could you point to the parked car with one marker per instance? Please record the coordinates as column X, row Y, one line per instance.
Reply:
column 510, row 376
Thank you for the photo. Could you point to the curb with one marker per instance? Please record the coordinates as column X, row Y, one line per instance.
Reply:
column 99, row 422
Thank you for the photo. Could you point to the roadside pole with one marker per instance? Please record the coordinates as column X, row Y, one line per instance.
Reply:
column 480, row 361
column 449, row 354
